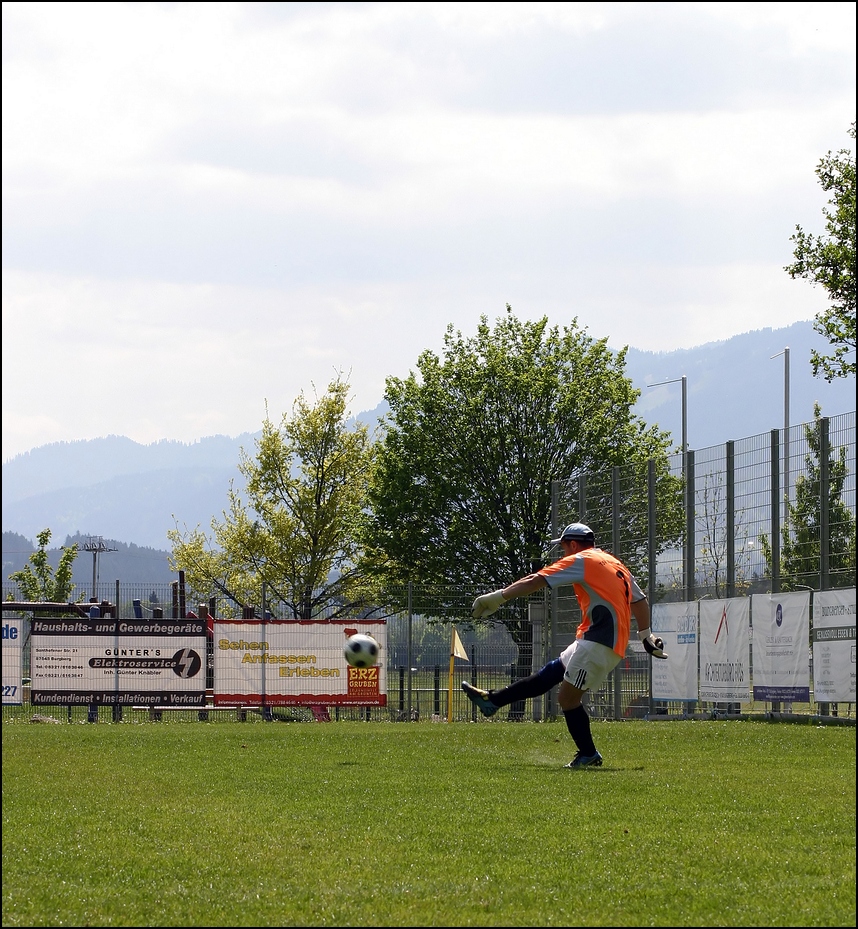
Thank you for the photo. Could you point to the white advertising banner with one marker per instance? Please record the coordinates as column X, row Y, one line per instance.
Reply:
column 13, row 635
column 833, row 646
column 124, row 662
column 676, row 677
column 725, row 649
column 283, row 662
column 781, row 624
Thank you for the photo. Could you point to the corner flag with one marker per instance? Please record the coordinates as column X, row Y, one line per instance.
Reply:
column 457, row 649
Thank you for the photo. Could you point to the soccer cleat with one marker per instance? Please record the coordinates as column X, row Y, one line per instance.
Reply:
column 585, row 761
column 480, row 699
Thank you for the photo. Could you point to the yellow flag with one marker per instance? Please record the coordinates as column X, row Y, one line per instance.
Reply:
column 458, row 650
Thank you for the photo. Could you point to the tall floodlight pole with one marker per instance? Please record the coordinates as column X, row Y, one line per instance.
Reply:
column 685, row 500
column 96, row 545
column 785, row 353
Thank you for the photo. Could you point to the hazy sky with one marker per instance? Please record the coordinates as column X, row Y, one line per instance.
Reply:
column 209, row 206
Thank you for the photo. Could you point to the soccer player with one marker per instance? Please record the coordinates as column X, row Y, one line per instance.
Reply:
column 609, row 597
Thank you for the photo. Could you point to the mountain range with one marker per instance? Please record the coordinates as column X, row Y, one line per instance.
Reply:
column 131, row 494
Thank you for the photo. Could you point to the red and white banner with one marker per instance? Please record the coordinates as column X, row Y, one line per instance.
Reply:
column 725, row 649
column 292, row 662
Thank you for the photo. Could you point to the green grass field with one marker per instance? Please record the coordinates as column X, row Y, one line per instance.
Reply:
column 382, row 824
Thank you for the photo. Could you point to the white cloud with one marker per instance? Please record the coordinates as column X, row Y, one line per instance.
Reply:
column 153, row 360
column 271, row 192
column 808, row 26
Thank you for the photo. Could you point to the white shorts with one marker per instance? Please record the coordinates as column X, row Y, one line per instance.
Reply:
column 588, row 664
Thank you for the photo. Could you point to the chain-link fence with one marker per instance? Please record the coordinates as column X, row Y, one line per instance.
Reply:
column 767, row 513
column 758, row 515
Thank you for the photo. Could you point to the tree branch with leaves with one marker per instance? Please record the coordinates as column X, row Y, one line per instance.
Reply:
column 37, row 580
column 829, row 260
column 296, row 531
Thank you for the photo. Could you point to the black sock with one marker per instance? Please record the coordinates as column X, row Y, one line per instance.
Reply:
column 522, row 689
column 578, row 724
column 535, row 685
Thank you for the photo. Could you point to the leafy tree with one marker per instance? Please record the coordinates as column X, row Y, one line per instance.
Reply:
column 829, row 260
column 305, row 489
column 802, row 530
column 37, row 581
column 461, row 495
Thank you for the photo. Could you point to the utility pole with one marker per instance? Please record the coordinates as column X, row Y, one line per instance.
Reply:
column 96, row 544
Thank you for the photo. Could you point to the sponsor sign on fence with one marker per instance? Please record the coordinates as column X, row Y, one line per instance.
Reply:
column 781, row 634
column 13, row 634
column 834, row 645
column 725, row 649
column 676, row 678
column 285, row 662
column 124, row 662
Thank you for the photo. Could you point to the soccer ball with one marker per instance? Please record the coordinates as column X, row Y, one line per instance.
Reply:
column 361, row 651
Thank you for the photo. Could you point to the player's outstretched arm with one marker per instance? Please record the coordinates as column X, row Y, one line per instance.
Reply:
column 486, row 604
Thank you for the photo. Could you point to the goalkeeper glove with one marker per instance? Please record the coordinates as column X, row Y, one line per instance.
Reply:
column 653, row 644
column 486, row 604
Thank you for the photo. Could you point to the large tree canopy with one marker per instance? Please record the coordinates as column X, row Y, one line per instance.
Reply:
column 306, row 488
column 462, row 491
column 829, row 260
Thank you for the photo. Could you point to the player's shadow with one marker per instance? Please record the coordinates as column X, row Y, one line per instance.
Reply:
column 604, row 769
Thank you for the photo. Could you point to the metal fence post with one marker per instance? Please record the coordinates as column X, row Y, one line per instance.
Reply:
column 117, row 707
column 536, row 617
column 690, row 539
column 775, row 527
column 690, row 535
column 730, row 462
column 552, row 604
column 824, row 512
column 776, row 512
column 617, row 676
column 651, row 549
column 408, row 648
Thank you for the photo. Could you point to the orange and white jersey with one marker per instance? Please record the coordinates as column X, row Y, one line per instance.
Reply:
column 605, row 589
